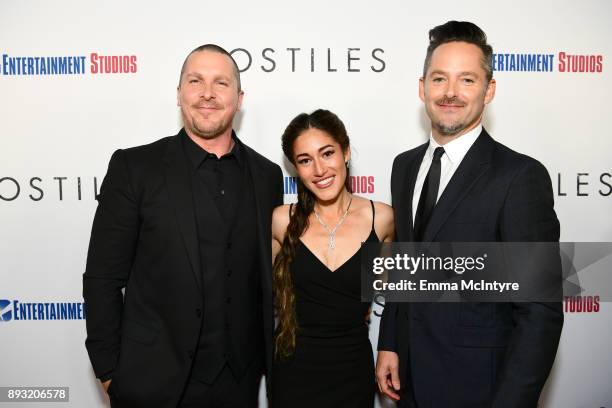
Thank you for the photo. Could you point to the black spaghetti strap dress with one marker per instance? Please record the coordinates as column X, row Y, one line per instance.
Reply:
column 333, row 364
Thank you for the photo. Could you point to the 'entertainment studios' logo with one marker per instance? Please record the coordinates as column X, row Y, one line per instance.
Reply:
column 47, row 65
column 18, row 310
column 359, row 184
column 5, row 316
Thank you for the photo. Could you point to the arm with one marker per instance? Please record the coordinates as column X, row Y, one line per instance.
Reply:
column 528, row 216
column 109, row 260
column 385, row 223
column 280, row 221
column 384, row 228
column 278, row 199
column 387, row 360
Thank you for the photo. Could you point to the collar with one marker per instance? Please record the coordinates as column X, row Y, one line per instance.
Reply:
column 456, row 149
column 197, row 155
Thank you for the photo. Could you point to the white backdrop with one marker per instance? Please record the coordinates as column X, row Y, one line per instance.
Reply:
column 57, row 133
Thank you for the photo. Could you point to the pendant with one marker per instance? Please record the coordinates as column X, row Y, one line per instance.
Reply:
column 332, row 242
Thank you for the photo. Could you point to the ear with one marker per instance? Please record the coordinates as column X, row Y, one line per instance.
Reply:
column 422, row 88
column 240, row 97
column 178, row 95
column 347, row 154
column 490, row 92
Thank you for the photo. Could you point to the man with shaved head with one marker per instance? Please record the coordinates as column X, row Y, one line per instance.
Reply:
column 178, row 279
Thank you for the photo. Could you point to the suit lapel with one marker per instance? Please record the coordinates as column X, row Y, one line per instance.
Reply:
column 408, row 185
column 472, row 167
column 181, row 198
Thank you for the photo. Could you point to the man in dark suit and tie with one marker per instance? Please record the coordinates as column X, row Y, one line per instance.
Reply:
column 183, row 229
column 463, row 186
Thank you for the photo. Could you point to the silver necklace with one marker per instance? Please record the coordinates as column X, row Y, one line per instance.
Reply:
column 332, row 234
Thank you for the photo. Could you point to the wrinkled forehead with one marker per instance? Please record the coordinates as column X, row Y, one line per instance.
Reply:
column 210, row 62
column 208, row 59
column 457, row 57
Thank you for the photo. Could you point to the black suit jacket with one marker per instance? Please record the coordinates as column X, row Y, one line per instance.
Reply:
column 144, row 241
column 475, row 354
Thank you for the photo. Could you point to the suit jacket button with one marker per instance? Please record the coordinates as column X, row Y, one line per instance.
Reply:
column 229, row 272
column 190, row 354
column 199, row 312
column 229, row 300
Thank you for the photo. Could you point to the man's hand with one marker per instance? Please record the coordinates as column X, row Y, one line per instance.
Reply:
column 387, row 374
column 105, row 385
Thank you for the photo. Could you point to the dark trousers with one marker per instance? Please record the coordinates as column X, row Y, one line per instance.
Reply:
column 226, row 391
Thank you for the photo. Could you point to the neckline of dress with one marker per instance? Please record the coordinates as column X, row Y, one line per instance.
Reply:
column 372, row 233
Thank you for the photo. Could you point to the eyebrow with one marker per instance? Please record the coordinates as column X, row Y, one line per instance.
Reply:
column 320, row 150
column 463, row 73
column 199, row 76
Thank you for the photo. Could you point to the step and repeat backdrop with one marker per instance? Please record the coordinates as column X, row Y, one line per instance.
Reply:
column 81, row 79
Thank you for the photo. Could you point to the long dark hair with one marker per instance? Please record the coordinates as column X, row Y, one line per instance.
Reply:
column 284, row 294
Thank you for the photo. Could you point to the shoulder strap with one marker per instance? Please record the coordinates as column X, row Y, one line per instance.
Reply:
column 373, row 214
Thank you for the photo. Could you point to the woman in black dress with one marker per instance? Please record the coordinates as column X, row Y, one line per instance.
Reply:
column 323, row 355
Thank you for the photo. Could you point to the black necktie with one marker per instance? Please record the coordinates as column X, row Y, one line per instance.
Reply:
column 429, row 195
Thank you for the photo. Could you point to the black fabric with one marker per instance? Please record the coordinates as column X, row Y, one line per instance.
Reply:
column 333, row 365
column 145, row 238
column 224, row 208
column 475, row 354
column 226, row 391
column 429, row 195
column 223, row 178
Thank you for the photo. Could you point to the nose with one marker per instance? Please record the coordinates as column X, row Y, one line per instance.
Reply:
column 319, row 168
column 451, row 88
column 207, row 91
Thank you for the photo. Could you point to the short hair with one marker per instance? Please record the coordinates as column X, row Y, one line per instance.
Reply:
column 463, row 31
column 218, row 50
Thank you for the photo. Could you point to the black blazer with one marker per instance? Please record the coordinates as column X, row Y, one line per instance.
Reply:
column 475, row 354
column 144, row 240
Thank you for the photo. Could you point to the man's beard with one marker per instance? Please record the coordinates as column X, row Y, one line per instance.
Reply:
column 204, row 127
column 211, row 132
column 448, row 130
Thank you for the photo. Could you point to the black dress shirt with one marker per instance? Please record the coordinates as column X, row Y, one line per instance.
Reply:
column 224, row 204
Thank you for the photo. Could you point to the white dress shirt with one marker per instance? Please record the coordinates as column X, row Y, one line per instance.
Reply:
column 454, row 152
